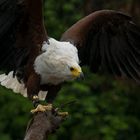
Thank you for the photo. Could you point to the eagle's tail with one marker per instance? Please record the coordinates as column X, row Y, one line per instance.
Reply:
column 11, row 82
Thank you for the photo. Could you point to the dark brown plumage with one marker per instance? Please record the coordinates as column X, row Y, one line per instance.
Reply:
column 22, row 30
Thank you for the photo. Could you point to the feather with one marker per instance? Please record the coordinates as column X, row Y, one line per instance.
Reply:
column 22, row 30
column 110, row 41
column 10, row 82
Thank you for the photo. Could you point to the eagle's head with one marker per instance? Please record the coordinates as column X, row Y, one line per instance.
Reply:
column 59, row 62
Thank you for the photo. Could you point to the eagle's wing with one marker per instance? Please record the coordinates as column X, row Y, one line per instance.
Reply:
column 107, row 40
column 22, row 32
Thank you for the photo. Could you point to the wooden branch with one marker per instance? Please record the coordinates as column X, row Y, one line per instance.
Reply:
column 42, row 124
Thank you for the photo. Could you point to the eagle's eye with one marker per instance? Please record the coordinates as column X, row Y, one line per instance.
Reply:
column 72, row 69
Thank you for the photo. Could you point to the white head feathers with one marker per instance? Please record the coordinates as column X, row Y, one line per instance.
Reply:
column 55, row 62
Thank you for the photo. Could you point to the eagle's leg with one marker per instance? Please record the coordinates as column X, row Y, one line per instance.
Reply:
column 52, row 92
column 38, row 106
column 33, row 88
column 51, row 95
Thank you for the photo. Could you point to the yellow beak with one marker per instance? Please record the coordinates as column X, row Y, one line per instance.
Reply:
column 77, row 72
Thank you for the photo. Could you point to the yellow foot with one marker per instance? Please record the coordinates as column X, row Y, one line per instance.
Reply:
column 63, row 114
column 42, row 108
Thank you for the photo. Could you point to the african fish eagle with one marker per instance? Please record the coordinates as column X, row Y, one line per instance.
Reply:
column 105, row 40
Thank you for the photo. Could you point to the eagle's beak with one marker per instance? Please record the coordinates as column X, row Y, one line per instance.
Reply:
column 77, row 73
column 81, row 76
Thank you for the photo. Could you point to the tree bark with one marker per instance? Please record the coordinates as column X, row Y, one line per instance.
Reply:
column 43, row 124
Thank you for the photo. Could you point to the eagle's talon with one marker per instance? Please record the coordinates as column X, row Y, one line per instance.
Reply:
column 58, row 113
column 35, row 100
column 42, row 108
column 63, row 114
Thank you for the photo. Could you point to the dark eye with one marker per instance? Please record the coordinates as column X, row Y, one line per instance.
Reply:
column 71, row 68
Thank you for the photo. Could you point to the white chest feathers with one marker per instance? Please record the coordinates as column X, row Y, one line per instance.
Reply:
column 53, row 65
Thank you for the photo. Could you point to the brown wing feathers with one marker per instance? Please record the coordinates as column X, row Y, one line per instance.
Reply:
column 8, row 23
column 22, row 33
column 31, row 33
column 109, row 41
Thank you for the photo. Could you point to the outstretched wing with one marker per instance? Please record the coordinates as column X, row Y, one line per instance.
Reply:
column 22, row 32
column 107, row 40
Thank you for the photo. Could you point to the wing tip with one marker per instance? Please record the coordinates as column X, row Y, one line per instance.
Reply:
column 108, row 12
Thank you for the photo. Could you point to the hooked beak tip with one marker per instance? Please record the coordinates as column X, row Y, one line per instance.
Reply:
column 81, row 76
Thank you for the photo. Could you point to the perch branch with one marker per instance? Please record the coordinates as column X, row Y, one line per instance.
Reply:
column 42, row 124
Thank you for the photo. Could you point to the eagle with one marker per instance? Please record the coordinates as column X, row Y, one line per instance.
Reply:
column 31, row 62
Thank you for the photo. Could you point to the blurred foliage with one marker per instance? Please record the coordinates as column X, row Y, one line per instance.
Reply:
column 105, row 109
column 14, row 115
column 61, row 15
